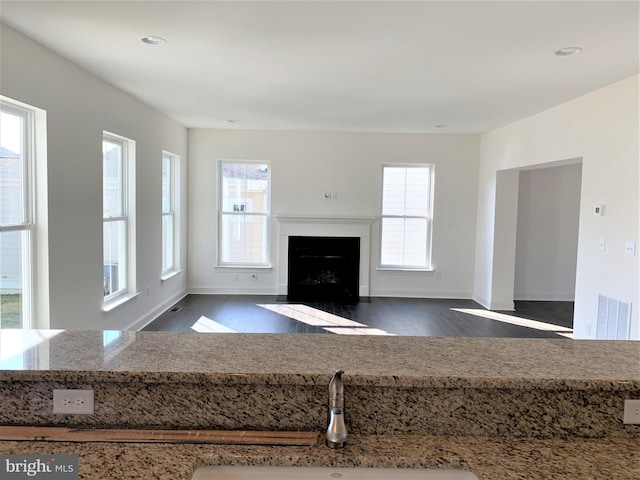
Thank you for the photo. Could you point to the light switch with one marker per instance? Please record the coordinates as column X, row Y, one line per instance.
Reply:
column 630, row 248
column 603, row 243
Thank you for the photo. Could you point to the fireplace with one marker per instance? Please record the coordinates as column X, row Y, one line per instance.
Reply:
column 324, row 268
column 323, row 226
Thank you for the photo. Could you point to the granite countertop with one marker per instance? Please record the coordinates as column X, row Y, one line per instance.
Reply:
column 488, row 458
column 192, row 359
column 311, row 359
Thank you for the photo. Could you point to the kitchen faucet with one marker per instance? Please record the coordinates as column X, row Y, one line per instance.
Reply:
column 337, row 430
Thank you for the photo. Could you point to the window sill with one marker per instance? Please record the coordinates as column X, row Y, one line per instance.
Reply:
column 116, row 302
column 243, row 268
column 169, row 275
column 417, row 271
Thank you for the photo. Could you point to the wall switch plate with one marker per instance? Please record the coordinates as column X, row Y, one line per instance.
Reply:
column 603, row 244
column 631, row 412
column 630, row 248
column 73, row 402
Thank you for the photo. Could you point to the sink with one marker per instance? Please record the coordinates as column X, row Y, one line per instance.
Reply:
column 327, row 473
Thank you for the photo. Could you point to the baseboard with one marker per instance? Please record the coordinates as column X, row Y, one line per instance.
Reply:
column 545, row 297
column 421, row 294
column 481, row 300
column 502, row 306
column 507, row 306
column 156, row 312
column 231, row 291
column 380, row 293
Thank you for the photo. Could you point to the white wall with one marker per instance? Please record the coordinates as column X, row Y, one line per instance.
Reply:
column 547, row 236
column 602, row 129
column 79, row 107
column 306, row 164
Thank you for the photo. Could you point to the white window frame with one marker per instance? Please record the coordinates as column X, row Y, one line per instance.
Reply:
column 28, row 223
column 127, row 216
column 427, row 267
column 266, row 215
column 174, row 213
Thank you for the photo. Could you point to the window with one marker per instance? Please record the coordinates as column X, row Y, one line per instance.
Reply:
column 17, row 216
column 118, row 227
column 244, row 213
column 170, row 218
column 405, row 239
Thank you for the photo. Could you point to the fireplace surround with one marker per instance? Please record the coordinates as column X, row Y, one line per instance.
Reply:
column 323, row 226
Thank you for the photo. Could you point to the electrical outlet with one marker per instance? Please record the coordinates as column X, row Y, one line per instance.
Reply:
column 631, row 412
column 73, row 402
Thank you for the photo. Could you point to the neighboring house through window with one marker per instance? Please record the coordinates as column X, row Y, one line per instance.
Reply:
column 17, row 215
column 170, row 215
column 118, row 213
column 405, row 240
column 243, row 213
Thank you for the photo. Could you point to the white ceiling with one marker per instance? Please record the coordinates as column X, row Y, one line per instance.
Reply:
column 345, row 66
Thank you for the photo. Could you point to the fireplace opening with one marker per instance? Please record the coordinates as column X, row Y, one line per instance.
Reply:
column 324, row 268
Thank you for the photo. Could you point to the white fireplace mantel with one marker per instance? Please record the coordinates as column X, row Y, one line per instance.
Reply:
column 323, row 226
column 323, row 219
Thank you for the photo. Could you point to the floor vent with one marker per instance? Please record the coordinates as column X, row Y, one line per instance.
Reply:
column 175, row 309
column 614, row 319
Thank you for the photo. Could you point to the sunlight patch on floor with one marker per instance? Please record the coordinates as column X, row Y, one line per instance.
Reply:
column 318, row 318
column 567, row 334
column 513, row 320
column 357, row 331
column 206, row 325
column 311, row 316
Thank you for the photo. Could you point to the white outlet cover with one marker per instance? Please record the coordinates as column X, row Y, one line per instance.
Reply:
column 73, row 402
column 631, row 412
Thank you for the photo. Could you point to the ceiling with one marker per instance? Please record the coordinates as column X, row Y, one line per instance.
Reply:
column 387, row 66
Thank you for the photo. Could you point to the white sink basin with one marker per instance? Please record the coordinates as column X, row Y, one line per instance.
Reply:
column 220, row 472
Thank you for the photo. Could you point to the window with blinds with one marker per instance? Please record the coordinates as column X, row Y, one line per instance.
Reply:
column 405, row 239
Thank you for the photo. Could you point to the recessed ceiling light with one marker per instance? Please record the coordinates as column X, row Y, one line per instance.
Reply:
column 153, row 40
column 568, row 51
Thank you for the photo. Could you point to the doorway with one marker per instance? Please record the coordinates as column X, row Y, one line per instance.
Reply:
column 547, row 234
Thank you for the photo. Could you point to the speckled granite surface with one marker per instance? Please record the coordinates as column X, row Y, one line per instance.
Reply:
column 503, row 408
column 425, row 386
column 488, row 458
column 311, row 359
column 369, row 410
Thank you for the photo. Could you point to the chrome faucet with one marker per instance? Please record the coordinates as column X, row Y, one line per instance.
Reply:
column 337, row 430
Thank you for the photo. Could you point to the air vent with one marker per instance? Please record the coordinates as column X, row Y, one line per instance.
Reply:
column 175, row 309
column 614, row 319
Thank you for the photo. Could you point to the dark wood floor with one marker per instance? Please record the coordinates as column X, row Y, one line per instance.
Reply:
column 395, row 316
